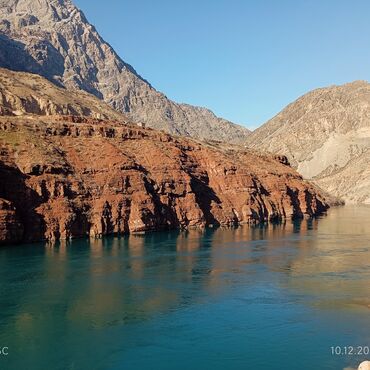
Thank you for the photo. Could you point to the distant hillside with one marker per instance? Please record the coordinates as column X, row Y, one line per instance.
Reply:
column 326, row 136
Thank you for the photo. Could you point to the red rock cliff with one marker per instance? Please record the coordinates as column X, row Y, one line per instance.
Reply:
column 63, row 178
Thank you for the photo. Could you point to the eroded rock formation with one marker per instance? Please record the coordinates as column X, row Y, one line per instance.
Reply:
column 62, row 178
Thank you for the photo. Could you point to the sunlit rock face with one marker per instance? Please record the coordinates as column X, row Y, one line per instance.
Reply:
column 96, row 179
column 54, row 39
column 78, row 175
column 326, row 136
column 29, row 94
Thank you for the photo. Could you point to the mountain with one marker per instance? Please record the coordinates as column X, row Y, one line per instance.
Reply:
column 71, row 176
column 24, row 93
column 326, row 136
column 53, row 38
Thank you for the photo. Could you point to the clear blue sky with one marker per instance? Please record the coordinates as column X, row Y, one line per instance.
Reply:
column 243, row 59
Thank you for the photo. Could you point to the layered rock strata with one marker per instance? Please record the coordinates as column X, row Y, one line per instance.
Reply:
column 65, row 177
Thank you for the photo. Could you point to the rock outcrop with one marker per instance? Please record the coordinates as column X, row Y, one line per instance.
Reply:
column 65, row 176
column 26, row 93
column 11, row 229
column 53, row 39
column 63, row 179
column 326, row 136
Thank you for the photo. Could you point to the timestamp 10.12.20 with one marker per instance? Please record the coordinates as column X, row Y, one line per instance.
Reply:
column 350, row 350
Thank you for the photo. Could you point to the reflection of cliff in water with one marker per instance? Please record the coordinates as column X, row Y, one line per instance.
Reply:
column 333, row 263
column 117, row 281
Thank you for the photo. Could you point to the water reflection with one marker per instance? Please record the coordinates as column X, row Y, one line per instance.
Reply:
column 115, row 280
column 335, row 267
column 64, row 293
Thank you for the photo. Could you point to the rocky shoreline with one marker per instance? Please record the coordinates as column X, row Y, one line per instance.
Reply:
column 68, row 177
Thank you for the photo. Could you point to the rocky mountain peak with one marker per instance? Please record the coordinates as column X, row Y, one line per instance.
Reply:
column 357, row 83
column 54, row 39
column 55, row 10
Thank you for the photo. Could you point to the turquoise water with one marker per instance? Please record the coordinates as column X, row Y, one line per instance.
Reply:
column 276, row 297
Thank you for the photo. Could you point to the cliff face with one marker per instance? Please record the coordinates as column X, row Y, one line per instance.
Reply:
column 326, row 136
column 53, row 39
column 64, row 176
column 71, row 177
